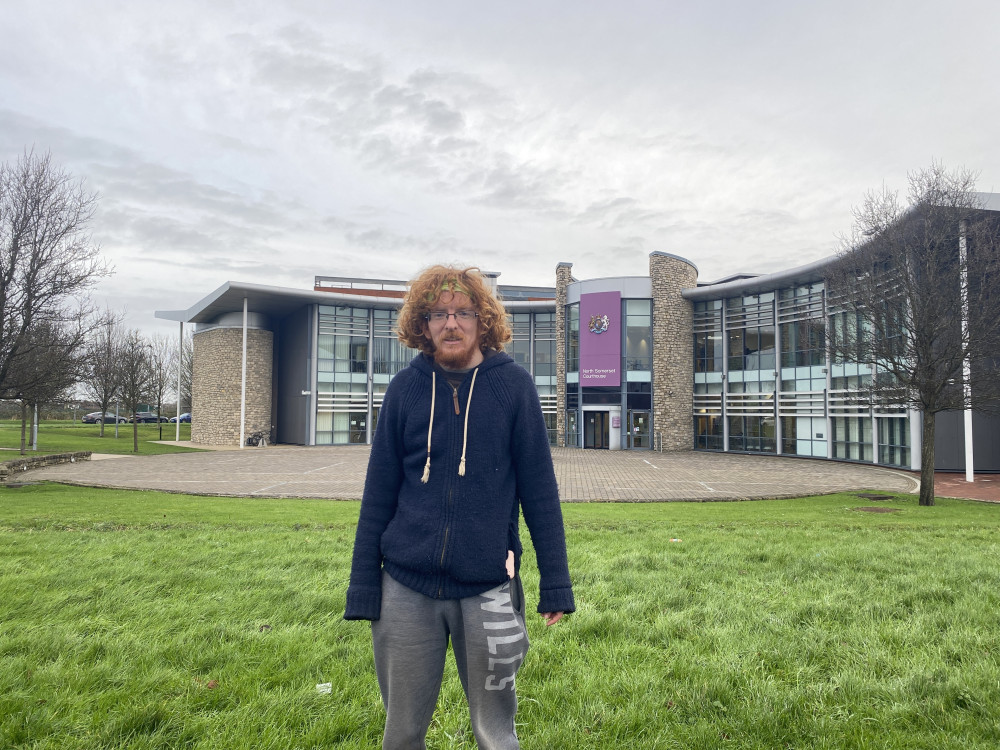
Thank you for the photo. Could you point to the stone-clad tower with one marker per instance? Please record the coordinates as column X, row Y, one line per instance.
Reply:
column 673, row 350
column 564, row 278
column 216, row 384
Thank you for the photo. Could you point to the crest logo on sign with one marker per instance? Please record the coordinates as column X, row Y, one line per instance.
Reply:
column 598, row 323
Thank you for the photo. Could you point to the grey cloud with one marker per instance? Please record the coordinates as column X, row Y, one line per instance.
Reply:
column 418, row 126
column 620, row 213
column 445, row 129
column 434, row 115
column 521, row 186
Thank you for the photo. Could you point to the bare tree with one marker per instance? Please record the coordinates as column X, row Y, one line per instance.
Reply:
column 101, row 371
column 135, row 377
column 161, row 354
column 914, row 295
column 47, row 259
column 46, row 368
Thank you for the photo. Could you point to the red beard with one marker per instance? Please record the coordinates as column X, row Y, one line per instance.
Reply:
column 457, row 358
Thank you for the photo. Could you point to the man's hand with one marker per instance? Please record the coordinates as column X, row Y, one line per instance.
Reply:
column 551, row 618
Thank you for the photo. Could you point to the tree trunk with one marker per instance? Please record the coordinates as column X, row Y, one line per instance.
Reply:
column 24, row 425
column 927, row 460
column 135, row 440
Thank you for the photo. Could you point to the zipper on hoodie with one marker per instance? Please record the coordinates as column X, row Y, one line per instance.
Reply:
column 444, row 544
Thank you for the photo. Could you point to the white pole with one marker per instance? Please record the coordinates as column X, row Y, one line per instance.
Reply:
column 966, row 365
column 180, row 366
column 34, row 431
column 243, row 382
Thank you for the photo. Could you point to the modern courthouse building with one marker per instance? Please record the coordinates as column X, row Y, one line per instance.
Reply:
column 657, row 362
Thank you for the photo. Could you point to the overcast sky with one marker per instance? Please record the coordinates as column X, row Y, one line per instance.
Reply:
column 269, row 142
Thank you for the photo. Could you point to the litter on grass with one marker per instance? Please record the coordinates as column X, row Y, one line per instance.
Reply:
column 324, row 688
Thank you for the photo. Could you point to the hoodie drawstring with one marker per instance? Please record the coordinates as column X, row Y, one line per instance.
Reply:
column 430, row 427
column 465, row 432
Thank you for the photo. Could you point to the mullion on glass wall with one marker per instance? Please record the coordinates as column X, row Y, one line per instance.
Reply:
column 710, row 374
column 343, row 349
column 750, row 407
column 543, row 365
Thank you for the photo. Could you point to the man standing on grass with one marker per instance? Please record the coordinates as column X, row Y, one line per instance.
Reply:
column 459, row 451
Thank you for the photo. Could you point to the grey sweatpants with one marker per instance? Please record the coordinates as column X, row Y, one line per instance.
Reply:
column 410, row 640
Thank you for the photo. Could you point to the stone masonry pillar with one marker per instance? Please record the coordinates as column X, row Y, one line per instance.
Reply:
column 563, row 278
column 215, row 384
column 673, row 350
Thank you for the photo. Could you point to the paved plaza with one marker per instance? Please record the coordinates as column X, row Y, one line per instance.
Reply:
column 584, row 475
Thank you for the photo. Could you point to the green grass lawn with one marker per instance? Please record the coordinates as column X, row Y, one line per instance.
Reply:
column 64, row 436
column 149, row 620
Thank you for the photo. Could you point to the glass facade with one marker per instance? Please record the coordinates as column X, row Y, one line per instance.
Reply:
column 762, row 379
column 357, row 353
column 533, row 347
column 763, row 382
column 343, row 405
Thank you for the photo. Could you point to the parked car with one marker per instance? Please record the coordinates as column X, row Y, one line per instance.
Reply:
column 95, row 416
column 185, row 417
column 147, row 416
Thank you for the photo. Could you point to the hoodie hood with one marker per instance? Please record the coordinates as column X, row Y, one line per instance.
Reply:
column 424, row 363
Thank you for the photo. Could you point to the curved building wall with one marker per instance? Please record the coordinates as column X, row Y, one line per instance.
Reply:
column 216, row 384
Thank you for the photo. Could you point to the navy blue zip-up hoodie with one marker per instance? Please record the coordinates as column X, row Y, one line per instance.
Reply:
column 448, row 537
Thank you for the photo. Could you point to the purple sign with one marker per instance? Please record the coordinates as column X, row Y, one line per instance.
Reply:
column 600, row 339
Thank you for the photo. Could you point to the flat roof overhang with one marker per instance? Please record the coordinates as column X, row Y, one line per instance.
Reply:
column 277, row 302
column 770, row 282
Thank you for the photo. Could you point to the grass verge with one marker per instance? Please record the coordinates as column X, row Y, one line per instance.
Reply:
column 150, row 620
column 63, row 437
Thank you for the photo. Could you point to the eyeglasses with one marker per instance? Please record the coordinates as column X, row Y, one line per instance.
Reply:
column 440, row 316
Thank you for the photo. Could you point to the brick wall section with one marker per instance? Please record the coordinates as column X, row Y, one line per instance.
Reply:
column 563, row 278
column 215, row 384
column 673, row 356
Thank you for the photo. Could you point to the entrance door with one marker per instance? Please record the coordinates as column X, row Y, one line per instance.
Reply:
column 359, row 426
column 638, row 429
column 595, row 429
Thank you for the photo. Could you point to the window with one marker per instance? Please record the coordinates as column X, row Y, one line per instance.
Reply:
column 800, row 315
column 752, row 434
column 638, row 334
column 389, row 356
column 573, row 338
column 520, row 345
column 545, row 348
column 750, row 326
column 894, row 441
column 707, row 326
column 708, row 432
column 802, row 343
column 852, row 438
column 804, row 436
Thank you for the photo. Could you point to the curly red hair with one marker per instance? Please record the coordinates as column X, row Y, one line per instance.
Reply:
column 425, row 290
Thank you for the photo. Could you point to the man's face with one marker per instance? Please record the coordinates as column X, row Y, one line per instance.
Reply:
column 456, row 341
